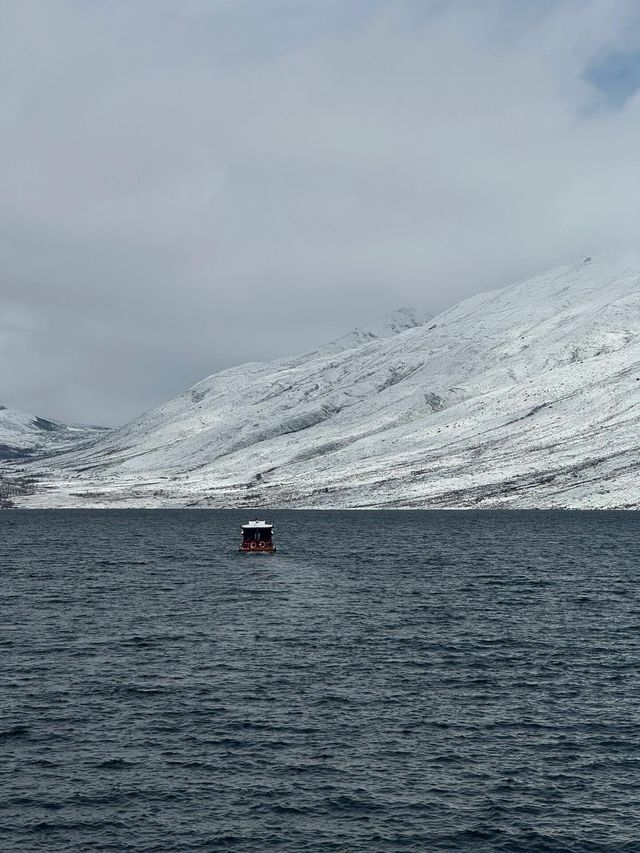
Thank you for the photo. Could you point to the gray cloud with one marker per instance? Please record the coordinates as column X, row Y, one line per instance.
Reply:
column 185, row 186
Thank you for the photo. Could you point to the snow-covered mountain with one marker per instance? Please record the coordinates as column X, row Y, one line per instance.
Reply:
column 392, row 324
column 527, row 396
column 24, row 436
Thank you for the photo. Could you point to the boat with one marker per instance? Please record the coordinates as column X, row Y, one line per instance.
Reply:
column 257, row 538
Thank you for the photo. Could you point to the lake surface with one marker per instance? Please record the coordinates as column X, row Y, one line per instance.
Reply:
column 388, row 681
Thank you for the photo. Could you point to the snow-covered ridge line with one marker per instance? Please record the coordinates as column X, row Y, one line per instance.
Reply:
column 24, row 436
column 527, row 396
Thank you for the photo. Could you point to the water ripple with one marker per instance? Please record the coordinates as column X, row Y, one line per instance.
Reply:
column 480, row 693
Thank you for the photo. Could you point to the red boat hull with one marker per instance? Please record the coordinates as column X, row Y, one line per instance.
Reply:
column 257, row 548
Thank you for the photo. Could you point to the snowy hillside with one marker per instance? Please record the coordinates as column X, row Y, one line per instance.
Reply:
column 23, row 436
column 394, row 323
column 522, row 397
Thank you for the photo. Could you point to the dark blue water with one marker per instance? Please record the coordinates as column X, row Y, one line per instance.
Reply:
column 387, row 681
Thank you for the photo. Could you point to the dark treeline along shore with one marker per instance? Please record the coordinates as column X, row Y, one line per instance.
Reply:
column 388, row 681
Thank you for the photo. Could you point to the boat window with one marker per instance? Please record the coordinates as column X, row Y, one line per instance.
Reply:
column 257, row 535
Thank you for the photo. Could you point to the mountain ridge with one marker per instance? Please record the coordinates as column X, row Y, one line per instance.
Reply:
column 24, row 435
column 526, row 396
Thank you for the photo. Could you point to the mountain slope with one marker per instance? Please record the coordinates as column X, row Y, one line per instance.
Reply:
column 526, row 396
column 24, row 436
column 386, row 327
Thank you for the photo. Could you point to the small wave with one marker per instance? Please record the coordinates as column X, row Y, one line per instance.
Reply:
column 347, row 803
column 141, row 690
column 14, row 732
column 282, row 808
column 115, row 764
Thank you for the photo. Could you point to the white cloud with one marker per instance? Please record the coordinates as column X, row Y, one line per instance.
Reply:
column 186, row 186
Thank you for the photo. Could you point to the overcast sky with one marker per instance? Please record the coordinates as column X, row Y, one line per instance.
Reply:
column 192, row 184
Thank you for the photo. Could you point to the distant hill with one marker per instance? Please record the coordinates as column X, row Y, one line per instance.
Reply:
column 24, row 436
column 527, row 396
